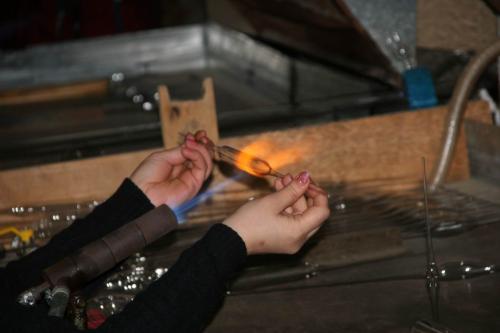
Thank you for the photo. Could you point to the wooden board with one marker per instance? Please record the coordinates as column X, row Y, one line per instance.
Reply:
column 178, row 118
column 368, row 148
column 389, row 146
column 67, row 181
column 54, row 93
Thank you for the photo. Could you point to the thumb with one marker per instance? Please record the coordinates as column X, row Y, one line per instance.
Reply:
column 287, row 196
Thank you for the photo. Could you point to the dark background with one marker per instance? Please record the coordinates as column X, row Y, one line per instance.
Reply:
column 29, row 22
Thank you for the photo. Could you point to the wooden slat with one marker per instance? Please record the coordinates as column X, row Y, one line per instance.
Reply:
column 67, row 181
column 369, row 148
column 54, row 93
column 388, row 146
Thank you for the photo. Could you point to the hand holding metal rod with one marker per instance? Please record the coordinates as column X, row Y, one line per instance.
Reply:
column 250, row 164
column 244, row 161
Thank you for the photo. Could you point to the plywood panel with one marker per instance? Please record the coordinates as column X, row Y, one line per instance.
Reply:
column 369, row 148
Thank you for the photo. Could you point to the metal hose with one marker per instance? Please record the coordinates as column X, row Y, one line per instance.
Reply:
column 461, row 93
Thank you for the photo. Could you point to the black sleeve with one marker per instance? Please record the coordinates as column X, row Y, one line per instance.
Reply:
column 126, row 204
column 190, row 293
column 182, row 300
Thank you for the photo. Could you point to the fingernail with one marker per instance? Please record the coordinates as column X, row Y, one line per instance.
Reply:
column 303, row 177
column 191, row 143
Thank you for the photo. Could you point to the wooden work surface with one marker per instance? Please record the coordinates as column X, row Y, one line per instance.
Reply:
column 377, row 147
column 356, row 299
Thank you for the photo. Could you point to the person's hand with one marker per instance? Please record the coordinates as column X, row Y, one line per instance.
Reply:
column 281, row 222
column 174, row 176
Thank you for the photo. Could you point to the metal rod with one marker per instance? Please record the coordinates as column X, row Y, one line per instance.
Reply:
column 432, row 275
column 428, row 236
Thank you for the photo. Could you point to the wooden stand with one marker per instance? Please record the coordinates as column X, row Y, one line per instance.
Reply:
column 386, row 146
column 178, row 118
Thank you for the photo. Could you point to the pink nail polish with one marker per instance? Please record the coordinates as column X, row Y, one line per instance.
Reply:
column 303, row 177
column 191, row 143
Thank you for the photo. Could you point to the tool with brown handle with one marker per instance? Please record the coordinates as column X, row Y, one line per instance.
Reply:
column 98, row 257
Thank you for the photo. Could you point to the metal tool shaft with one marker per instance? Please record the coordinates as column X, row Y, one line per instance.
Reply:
column 432, row 273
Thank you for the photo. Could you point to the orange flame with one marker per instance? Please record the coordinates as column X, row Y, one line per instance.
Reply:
column 265, row 151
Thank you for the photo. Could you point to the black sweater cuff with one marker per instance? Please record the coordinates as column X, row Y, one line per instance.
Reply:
column 189, row 294
column 227, row 248
column 127, row 203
